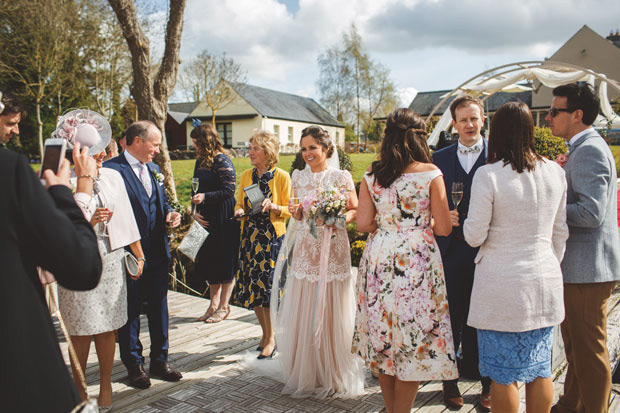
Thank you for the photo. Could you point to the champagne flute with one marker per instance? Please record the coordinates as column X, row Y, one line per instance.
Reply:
column 110, row 208
column 457, row 193
column 294, row 199
column 195, row 184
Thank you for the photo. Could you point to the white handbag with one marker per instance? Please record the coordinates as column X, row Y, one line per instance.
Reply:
column 193, row 240
column 131, row 264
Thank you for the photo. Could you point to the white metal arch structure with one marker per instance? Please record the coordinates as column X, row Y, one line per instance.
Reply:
column 503, row 78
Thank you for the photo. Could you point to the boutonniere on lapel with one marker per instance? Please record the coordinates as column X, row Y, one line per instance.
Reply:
column 159, row 177
column 562, row 158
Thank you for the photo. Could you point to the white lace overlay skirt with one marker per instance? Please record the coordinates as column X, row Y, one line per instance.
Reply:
column 102, row 309
column 330, row 368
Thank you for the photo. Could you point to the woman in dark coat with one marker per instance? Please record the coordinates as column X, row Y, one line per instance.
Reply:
column 214, row 203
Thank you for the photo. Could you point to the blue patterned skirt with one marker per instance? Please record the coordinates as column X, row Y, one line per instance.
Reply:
column 509, row 357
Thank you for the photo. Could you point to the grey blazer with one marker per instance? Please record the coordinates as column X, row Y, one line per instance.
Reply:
column 592, row 249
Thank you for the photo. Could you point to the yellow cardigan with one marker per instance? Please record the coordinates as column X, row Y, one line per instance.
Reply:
column 280, row 187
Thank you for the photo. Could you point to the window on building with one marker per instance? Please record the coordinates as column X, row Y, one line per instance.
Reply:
column 224, row 129
column 337, row 137
column 290, row 134
column 276, row 131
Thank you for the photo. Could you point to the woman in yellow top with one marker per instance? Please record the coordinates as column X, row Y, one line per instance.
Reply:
column 262, row 233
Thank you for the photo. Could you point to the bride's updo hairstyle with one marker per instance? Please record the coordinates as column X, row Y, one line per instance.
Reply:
column 404, row 142
column 321, row 137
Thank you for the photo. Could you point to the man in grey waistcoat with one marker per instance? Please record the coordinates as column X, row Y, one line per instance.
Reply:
column 590, row 264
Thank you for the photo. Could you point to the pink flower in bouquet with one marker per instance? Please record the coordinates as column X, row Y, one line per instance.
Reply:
column 308, row 201
column 561, row 159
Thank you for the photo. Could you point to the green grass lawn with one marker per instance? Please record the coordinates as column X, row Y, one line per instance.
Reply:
column 184, row 170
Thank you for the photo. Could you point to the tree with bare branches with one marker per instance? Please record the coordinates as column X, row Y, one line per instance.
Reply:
column 208, row 78
column 37, row 48
column 151, row 91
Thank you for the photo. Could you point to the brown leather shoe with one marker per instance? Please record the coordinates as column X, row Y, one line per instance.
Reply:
column 485, row 401
column 452, row 395
column 138, row 377
column 165, row 371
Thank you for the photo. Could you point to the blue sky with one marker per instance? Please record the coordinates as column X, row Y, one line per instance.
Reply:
column 426, row 44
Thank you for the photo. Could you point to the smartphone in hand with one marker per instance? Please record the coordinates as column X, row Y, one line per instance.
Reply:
column 53, row 154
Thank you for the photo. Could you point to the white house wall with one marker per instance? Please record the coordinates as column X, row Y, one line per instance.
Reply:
column 242, row 129
column 292, row 145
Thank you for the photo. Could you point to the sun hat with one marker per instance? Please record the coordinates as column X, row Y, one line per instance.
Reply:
column 88, row 128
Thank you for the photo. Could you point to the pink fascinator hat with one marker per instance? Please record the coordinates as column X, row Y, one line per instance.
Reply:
column 88, row 128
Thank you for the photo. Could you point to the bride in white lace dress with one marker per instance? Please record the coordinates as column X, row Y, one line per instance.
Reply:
column 319, row 365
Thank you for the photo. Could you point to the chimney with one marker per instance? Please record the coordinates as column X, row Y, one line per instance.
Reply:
column 614, row 38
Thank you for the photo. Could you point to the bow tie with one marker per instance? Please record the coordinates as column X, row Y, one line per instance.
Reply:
column 472, row 149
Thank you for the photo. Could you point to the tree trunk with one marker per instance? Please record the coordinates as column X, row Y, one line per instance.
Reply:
column 40, row 124
column 151, row 95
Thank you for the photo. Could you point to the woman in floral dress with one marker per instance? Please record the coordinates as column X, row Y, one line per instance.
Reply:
column 402, row 326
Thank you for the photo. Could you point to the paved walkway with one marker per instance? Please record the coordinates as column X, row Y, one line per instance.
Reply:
column 214, row 381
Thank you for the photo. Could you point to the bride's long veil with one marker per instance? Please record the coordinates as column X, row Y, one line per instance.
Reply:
column 283, row 264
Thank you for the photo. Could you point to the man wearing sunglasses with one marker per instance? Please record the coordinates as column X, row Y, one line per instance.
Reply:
column 591, row 263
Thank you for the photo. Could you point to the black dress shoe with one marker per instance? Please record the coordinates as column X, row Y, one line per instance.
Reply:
column 165, row 371
column 259, row 348
column 138, row 377
column 452, row 395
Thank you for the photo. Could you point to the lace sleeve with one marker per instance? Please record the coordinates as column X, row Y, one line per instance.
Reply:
column 347, row 180
column 225, row 170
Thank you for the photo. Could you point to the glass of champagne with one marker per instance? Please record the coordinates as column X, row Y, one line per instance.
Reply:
column 457, row 193
column 110, row 208
column 195, row 184
column 294, row 199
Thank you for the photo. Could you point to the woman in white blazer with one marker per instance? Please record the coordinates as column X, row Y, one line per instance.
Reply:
column 517, row 216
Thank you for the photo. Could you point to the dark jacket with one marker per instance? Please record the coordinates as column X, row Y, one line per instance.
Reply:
column 46, row 229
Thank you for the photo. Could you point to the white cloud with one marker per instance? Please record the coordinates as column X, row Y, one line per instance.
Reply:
column 406, row 96
column 426, row 44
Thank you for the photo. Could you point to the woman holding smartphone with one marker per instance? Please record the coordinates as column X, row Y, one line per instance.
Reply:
column 98, row 313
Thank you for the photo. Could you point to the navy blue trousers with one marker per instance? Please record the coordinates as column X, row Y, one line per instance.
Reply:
column 151, row 287
column 459, row 268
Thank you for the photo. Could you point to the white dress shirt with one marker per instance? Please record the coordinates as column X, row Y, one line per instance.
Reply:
column 134, row 163
column 468, row 160
column 579, row 135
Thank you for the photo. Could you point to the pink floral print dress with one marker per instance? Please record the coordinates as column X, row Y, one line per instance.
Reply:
column 402, row 325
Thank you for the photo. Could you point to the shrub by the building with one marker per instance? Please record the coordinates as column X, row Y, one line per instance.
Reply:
column 547, row 144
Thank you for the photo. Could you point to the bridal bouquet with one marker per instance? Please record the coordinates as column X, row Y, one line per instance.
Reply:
column 327, row 205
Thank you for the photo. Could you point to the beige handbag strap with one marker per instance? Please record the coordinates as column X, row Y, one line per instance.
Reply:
column 54, row 309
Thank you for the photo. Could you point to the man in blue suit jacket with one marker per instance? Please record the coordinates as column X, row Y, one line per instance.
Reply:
column 591, row 264
column 459, row 163
column 152, row 212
